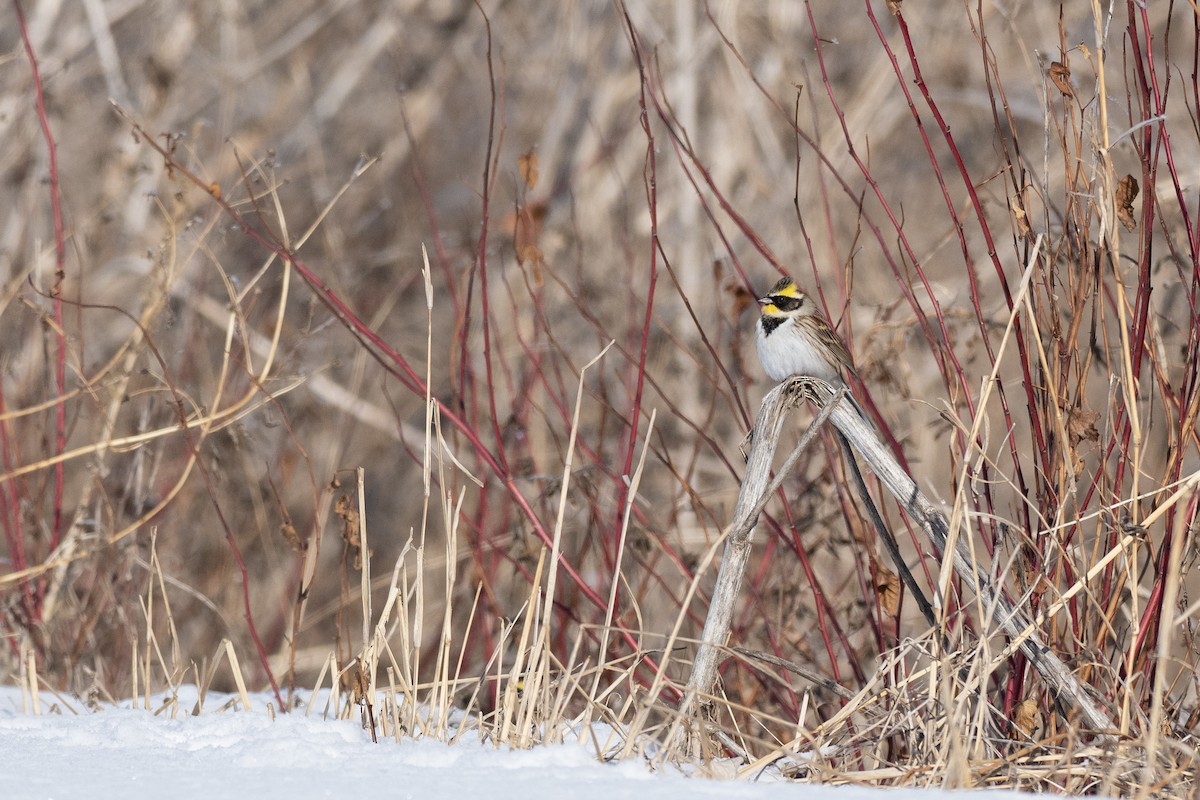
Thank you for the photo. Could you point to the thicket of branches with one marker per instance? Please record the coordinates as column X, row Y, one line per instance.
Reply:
column 245, row 417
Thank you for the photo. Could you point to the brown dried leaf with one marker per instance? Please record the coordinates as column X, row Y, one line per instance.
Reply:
column 355, row 681
column 742, row 299
column 527, row 234
column 1019, row 216
column 1127, row 192
column 1081, row 424
column 1061, row 75
column 351, row 533
column 1035, row 579
column 894, row 7
column 1027, row 717
column 288, row 531
column 887, row 586
column 527, row 165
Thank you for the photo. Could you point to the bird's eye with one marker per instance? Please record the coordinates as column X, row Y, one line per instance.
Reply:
column 785, row 303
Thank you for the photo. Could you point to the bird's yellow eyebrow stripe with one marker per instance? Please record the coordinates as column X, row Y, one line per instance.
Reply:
column 789, row 290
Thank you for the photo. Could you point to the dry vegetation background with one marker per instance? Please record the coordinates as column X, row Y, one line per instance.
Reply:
column 246, row 189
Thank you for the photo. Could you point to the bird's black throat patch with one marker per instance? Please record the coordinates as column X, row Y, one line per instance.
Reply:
column 771, row 323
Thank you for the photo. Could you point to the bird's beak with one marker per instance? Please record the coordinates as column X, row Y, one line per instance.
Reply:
column 764, row 301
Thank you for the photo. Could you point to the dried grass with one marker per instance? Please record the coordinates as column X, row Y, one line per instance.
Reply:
column 246, row 386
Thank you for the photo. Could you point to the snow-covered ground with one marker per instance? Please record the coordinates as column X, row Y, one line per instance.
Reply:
column 122, row 752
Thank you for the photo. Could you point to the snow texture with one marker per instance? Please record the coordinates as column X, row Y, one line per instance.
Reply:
column 124, row 752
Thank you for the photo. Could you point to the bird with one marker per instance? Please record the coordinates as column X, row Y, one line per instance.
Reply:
column 793, row 339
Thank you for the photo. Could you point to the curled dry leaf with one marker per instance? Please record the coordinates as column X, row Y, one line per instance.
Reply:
column 1127, row 192
column 1027, row 717
column 894, row 7
column 1081, row 424
column 742, row 298
column 527, row 165
column 1061, row 75
column 355, row 681
column 1019, row 216
column 288, row 531
column 1035, row 580
column 887, row 586
column 527, row 234
column 351, row 534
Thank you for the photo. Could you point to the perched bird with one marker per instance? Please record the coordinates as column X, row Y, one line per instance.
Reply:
column 794, row 339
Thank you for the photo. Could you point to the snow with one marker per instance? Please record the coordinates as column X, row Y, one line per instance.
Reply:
column 123, row 752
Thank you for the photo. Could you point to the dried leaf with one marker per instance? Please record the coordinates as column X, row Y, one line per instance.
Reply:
column 527, row 165
column 288, row 531
column 1061, row 75
column 351, row 533
column 355, row 681
column 1081, row 424
column 1035, row 580
column 894, row 7
column 742, row 298
column 1127, row 192
column 1019, row 216
column 527, row 233
column 887, row 586
column 1027, row 717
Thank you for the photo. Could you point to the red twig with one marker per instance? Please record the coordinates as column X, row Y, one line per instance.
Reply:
column 969, row 186
column 60, row 261
column 481, row 253
column 650, row 176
